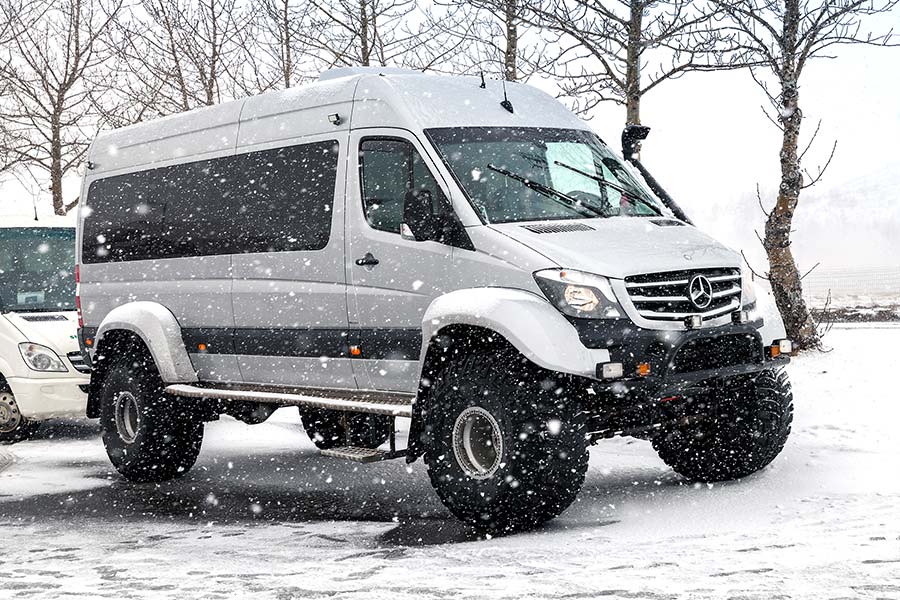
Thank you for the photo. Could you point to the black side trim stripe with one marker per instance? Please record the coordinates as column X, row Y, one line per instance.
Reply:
column 372, row 343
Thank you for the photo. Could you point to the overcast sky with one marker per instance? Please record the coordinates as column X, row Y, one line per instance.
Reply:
column 710, row 145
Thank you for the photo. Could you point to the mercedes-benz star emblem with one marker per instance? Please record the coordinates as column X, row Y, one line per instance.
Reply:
column 700, row 291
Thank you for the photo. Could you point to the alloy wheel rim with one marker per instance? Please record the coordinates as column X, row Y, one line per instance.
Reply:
column 10, row 417
column 477, row 443
column 128, row 417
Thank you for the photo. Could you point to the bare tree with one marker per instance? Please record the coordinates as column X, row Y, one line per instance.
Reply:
column 277, row 51
column 782, row 37
column 55, row 45
column 610, row 46
column 363, row 32
column 175, row 55
column 494, row 36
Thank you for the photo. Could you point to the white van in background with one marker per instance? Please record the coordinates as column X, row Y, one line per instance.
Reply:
column 42, row 374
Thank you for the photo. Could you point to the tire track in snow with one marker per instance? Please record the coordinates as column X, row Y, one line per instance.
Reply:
column 6, row 459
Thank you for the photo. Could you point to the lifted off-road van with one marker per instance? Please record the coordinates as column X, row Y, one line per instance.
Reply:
column 383, row 244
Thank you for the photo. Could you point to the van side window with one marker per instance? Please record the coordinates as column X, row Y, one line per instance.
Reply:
column 389, row 168
column 275, row 200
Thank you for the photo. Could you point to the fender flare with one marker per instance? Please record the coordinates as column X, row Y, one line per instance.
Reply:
column 157, row 327
column 527, row 321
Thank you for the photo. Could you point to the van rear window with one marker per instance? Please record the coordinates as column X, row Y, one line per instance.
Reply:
column 277, row 200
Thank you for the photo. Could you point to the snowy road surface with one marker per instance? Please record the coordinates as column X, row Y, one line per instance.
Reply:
column 263, row 516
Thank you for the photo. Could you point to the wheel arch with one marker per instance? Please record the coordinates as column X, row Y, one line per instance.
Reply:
column 496, row 318
column 140, row 327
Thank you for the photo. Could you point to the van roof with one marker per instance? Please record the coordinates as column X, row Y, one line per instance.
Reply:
column 361, row 97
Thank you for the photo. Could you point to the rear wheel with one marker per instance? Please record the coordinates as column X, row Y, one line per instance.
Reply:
column 149, row 436
column 508, row 448
column 747, row 428
column 13, row 426
column 333, row 429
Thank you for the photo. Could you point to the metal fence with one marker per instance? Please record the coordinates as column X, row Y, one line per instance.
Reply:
column 872, row 285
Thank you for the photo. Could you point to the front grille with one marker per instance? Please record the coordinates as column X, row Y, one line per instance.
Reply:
column 717, row 353
column 664, row 296
column 78, row 362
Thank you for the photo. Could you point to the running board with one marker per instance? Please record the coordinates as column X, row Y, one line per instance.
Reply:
column 362, row 455
column 398, row 406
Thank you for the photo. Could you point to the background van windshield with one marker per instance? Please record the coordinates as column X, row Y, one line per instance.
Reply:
column 37, row 269
column 534, row 153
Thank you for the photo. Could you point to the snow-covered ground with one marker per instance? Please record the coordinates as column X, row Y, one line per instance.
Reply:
column 263, row 516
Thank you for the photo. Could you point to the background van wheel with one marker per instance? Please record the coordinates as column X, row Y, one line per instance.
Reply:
column 13, row 426
column 332, row 429
column 149, row 436
column 508, row 448
column 747, row 428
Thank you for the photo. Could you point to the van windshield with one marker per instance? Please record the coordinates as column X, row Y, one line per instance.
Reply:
column 536, row 173
column 37, row 269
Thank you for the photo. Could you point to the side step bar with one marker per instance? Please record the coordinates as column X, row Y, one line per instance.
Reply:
column 396, row 406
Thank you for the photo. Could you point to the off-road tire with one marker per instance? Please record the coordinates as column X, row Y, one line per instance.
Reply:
column 333, row 429
column 24, row 428
column 168, row 436
column 544, row 455
column 747, row 428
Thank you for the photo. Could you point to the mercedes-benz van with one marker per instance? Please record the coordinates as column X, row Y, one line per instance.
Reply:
column 42, row 373
column 380, row 245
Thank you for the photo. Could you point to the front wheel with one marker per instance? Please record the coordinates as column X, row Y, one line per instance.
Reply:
column 746, row 429
column 13, row 426
column 508, row 448
column 149, row 436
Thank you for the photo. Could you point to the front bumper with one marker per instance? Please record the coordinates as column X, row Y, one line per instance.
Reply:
column 64, row 397
column 685, row 370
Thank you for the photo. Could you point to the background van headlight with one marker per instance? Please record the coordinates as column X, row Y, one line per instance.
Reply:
column 41, row 358
column 579, row 294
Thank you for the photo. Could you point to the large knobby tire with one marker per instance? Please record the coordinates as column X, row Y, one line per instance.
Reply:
column 747, row 428
column 13, row 426
column 332, row 429
column 507, row 446
column 149, row 435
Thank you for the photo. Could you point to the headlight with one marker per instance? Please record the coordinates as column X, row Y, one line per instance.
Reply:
column 41, row 358
column 579, row 294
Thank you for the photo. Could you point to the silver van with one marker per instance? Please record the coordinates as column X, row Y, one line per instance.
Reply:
column 382, row 244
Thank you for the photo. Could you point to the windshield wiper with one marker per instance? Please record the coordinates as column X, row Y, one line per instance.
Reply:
column 603, row 181
column 561, row 198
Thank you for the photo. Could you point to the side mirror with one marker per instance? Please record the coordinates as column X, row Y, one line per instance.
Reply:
column 419, row 222
column 632, row 136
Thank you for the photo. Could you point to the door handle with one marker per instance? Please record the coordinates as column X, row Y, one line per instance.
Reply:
column 367, row 261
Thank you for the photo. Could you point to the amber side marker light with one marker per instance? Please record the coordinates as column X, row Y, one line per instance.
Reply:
column 201, row 347
column 643, row 369
column 355, row 351
column 88, row 342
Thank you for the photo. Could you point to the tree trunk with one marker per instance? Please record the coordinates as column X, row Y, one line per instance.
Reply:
column 633, row 68
column 363, row 34
column 56, row 171
column 783, row 275
column 512, row 41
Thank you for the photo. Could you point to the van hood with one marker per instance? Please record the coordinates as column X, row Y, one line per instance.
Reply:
column 617, row 247
column 56, row 330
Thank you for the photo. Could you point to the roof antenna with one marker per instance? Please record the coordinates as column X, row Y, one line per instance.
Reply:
column 482, row 86
column 506, row 103
column 34, row 206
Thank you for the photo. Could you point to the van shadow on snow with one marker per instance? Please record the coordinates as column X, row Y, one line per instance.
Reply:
column 230, row 487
